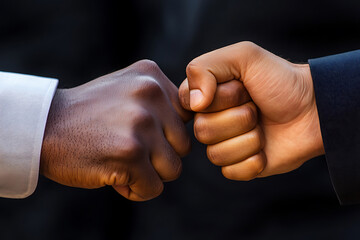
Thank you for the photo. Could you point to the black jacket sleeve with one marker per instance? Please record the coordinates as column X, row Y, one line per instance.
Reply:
column 337, row 90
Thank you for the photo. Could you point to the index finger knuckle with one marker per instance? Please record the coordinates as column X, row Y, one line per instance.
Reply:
column 148, row 65
column 142, row 119
column 147, row 88
column 201, row 129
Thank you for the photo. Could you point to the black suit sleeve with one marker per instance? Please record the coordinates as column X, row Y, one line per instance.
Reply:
column 337, row 90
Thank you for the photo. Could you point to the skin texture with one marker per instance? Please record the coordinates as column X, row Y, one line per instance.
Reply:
column 125, row 129
column 273, row 130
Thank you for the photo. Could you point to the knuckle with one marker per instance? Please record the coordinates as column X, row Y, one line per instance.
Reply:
column 184, row 96
column 214, row 155
column 149, row 88
column 147, row 64
column 201, row 130
column 173, row 167
column 185, row 147
column 117, row 178
column 257, row 165
column 249, row 169
column 158, row 189
column 122, row 178
column 250, row 114
column 229, row 173
column 232, row 93
column 153, row 87
column 176, row 170
column 141, row 118
column 257, row 139
column 249, row 45
column 227, row 94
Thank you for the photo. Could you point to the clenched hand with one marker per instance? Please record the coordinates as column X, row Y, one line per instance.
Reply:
column 124, row 129
column 273, row 130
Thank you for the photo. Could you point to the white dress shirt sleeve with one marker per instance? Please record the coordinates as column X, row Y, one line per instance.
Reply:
column 24, row 105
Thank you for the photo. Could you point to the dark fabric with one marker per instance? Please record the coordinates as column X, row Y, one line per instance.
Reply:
column 337, row 90
column 77, row 41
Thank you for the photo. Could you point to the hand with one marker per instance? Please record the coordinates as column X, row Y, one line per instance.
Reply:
column 274, row 133
column 124, row 129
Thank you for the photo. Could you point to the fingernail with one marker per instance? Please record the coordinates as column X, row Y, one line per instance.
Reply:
column 196, row 98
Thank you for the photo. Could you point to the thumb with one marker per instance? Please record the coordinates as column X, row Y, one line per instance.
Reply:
column 219, row 66
column 202, row 86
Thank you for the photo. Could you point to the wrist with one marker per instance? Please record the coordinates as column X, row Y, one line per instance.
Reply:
column 50, row 139
column 316, row 142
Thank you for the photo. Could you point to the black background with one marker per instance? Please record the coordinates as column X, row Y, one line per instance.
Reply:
column 77, row 41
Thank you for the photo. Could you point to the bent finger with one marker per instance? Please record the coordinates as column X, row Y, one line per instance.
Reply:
column 146, row 184
column 166, row 161
column 236, row 149
column 246, row 170
column 175, row 132
column 227, row 95
column 211, row 128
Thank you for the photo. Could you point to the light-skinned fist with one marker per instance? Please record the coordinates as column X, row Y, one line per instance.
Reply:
column 273, row 130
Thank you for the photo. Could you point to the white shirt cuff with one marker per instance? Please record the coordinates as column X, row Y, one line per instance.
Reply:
column 24, row 106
